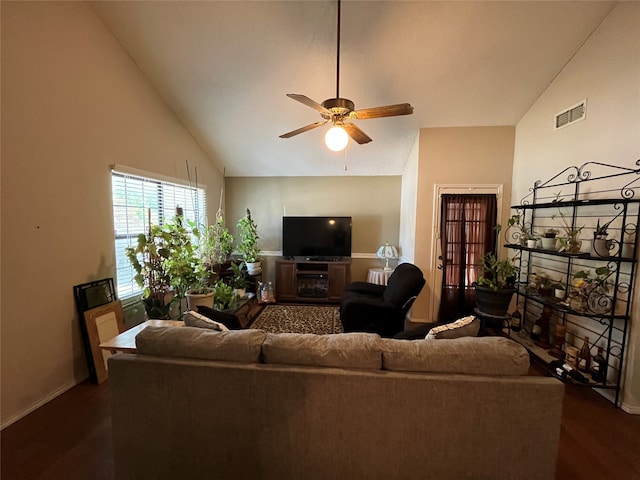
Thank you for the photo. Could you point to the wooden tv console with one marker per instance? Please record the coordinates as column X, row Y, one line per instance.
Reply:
column 309, row 281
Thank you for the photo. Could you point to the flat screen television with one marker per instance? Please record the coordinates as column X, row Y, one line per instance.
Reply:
column 316, row 237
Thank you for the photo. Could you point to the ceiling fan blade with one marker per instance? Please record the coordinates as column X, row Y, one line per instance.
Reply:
column 357, row 134
column 303, row 129
column 308, row 102
column 386, row 111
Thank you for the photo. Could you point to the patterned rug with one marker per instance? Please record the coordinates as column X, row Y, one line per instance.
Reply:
column 320, row 320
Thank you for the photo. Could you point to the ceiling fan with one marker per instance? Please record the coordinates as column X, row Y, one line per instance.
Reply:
column 337, row 110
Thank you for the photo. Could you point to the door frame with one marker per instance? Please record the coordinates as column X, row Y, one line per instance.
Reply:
column 440, row 189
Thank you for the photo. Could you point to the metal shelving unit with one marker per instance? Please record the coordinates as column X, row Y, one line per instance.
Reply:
column 579, row 198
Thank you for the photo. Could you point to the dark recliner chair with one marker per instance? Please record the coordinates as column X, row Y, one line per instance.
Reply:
column 367, row 307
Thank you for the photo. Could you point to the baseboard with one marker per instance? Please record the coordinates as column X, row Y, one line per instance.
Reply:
column 631, row 409
column 37, row 405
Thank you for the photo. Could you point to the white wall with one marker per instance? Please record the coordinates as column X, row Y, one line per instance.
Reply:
column 408, row 204
column 72, row 104
column 606, row 71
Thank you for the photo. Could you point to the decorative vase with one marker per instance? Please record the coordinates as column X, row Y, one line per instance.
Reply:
column 599, row 302
column 578, row 303
column 601, row 247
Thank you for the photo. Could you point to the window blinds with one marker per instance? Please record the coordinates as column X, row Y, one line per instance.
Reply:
column 139, row 202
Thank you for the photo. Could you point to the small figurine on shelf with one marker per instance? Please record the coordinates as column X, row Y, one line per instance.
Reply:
column 584, row 356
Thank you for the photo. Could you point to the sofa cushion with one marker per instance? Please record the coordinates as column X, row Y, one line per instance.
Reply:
column 463, row 327
column 204, row 344
column 467, row 355
column 346, row 350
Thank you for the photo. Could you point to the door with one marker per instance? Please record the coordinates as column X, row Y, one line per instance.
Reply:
column 464, row 221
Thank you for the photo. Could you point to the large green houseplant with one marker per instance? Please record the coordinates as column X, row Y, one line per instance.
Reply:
column 166, row 265
column 248, row 246
column 495, row 285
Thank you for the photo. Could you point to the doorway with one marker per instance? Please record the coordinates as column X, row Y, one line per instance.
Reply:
column 464, row 221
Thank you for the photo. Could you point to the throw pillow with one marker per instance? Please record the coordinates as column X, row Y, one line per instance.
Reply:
column 463, row 327
column 228, row 319
column 194, row 319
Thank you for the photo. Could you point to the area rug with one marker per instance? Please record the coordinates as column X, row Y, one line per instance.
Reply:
column 320, row 320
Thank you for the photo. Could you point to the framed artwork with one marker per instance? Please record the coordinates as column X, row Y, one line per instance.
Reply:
column 93, row 294
column 101, row 324
column 87, row 296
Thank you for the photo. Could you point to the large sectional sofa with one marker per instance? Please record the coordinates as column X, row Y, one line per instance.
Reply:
column 246, row 404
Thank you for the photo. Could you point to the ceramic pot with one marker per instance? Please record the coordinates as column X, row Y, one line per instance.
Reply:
column 199, row 299
column 548, row 243
column 601, row 247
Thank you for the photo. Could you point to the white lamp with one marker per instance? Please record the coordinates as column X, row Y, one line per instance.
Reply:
column 387, row 252
column 336, row 138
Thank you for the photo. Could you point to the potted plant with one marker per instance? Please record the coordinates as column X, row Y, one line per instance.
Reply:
column 224, row 295
column 496, row 285
column 559, row 290
column 151, row 274
column 248, row 247
column 600, row 245
column 523, row 234
column 570, row 242
column 238, row 279
column 165, row 262
column 549, row 238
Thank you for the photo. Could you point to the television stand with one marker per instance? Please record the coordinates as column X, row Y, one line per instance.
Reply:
column 315, row 281
column 322, row 259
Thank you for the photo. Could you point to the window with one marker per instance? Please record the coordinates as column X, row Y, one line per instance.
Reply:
column 139, row 202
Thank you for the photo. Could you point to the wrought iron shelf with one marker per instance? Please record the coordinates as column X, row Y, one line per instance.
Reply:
column 542, row 357
column 576, row 203
column 562, row 307
column 614, row 192
column 583, row 255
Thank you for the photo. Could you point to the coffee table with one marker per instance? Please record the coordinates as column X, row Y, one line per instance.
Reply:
column 126, row 341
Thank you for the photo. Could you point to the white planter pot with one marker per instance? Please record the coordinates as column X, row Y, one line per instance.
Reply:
column 548, row 243
column 559, row 293
column 199, row 299
column 253, row 268
column 531, row 243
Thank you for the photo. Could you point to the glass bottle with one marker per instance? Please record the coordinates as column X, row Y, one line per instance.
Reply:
column 599, row 367
column 516, row 320
column 270, row 295
column 584, row 356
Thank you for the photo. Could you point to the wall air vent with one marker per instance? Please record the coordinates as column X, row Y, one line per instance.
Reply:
column 570, row 116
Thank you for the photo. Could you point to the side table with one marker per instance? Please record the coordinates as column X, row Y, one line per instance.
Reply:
column 379, row 276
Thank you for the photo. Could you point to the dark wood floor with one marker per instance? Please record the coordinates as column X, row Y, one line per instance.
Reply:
column 70, row 438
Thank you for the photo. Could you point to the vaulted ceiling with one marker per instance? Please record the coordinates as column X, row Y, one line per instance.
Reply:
column 225, row 67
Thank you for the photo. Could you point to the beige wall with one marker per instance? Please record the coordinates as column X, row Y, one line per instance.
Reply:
column 372, row 202
column 72, row 104
column 606, row 71
column 470, row 155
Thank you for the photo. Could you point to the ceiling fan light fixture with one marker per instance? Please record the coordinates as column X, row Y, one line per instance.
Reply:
column 336, row 138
